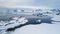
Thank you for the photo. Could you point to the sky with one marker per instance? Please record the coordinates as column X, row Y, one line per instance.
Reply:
column 47, row 3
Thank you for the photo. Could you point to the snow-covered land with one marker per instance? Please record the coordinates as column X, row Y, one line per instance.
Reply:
column 39, row 29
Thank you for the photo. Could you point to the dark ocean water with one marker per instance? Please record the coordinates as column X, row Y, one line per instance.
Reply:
column 43, row 20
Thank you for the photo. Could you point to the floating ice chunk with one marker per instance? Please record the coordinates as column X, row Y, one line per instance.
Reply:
column 56, row 18
column 22, row 20
column 2, row 27
column 38, row 20
column 12, row 21
column 2, row 22
column 15, row 18
column 55, row 22
column 12, row 25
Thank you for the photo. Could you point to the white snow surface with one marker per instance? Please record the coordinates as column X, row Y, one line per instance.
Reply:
column 39, row 29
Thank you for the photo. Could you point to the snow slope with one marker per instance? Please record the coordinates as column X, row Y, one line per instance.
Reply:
column 39, row 29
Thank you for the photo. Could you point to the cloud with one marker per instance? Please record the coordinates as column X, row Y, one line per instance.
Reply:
column 48, row 3
column 15, row 2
